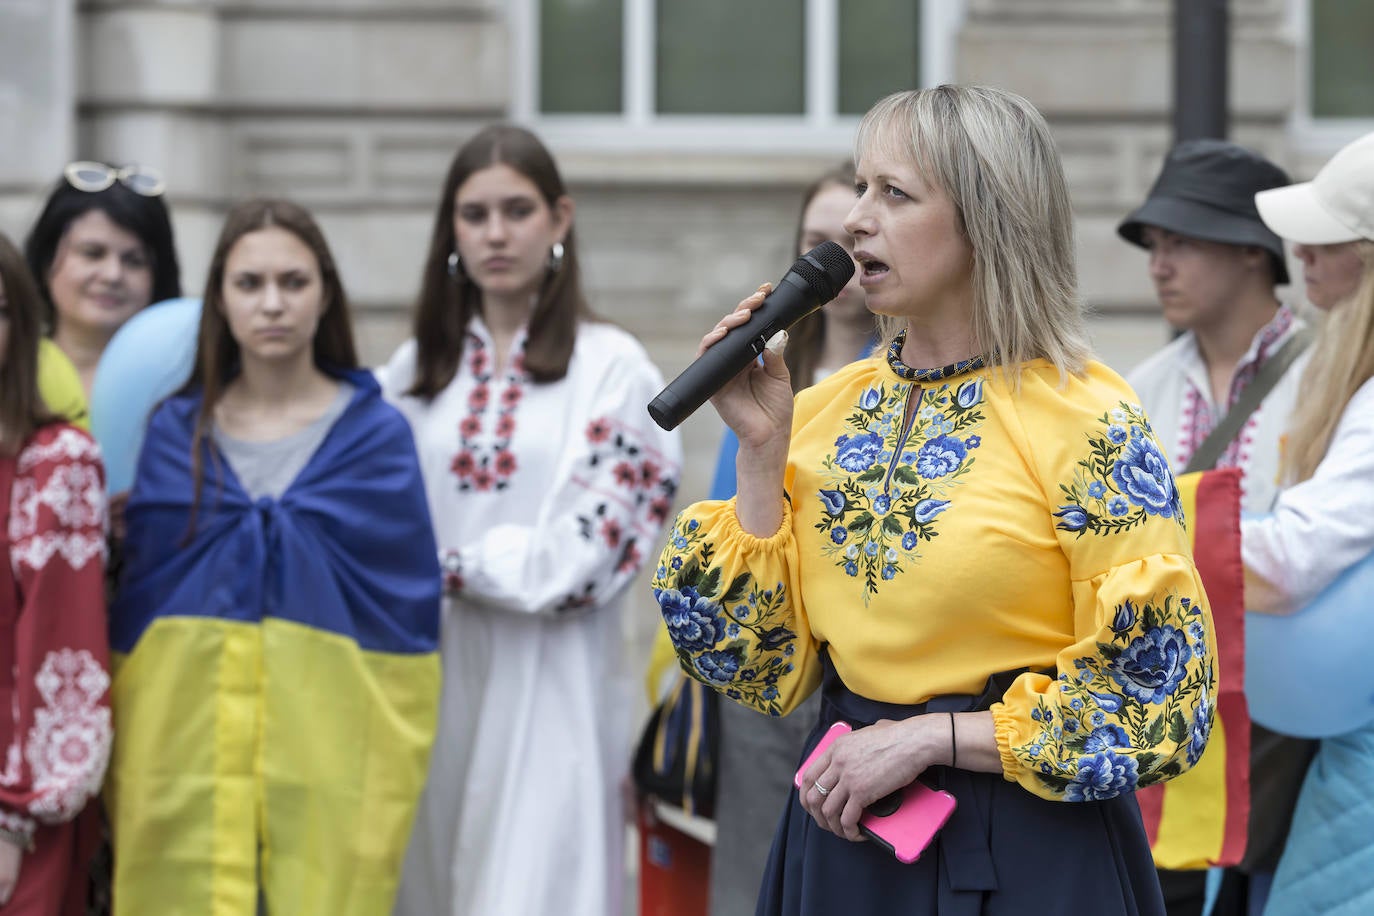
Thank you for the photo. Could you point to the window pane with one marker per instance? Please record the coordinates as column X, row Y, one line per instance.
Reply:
column 880, row 51
column 1342, row 58
column 580, row 57
column 731, row 57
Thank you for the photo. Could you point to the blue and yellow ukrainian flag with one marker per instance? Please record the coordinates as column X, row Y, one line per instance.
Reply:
column 276, row 675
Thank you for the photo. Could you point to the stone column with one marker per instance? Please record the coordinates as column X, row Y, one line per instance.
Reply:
column 37, row 105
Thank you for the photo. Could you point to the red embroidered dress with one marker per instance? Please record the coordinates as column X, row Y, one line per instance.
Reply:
column 54, row 664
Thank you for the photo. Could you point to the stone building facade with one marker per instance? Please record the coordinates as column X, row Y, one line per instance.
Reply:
column 354, row 107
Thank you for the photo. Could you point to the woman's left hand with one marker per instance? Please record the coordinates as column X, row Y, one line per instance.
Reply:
column 861, row 767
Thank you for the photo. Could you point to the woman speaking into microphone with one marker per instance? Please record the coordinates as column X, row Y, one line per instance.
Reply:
column 971, row 543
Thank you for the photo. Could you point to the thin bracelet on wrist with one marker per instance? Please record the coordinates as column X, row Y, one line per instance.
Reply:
column 953, row 744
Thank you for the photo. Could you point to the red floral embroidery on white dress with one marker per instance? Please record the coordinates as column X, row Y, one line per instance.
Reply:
column 69, row 744
column 489, row 465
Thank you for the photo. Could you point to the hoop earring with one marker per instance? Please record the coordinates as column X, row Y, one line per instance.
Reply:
column 556, row 258
column 455, row 267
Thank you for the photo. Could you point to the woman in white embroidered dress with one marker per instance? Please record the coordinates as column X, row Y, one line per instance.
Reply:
column 54, row 657
column 548, row 485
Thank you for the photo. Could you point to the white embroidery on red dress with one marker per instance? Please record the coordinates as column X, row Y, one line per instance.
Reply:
column 14, row 762
column 489, row 466
column 68, row 443
column 69, row 744
column 15, row 822
column 72, row 491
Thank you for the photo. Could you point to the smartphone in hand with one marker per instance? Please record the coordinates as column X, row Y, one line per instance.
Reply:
column 903, row 822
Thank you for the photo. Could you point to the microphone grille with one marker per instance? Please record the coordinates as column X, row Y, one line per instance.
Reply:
column 826, row 269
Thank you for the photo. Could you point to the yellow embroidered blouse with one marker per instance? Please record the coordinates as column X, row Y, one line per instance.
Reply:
column 992, row 531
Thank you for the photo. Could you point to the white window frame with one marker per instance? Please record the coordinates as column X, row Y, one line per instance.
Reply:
column 1311, row 133
column 639, row 128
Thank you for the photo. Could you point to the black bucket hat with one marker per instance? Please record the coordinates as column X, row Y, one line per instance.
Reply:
column 1206, row 190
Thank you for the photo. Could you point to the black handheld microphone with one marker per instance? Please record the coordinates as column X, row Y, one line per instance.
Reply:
column 815, row 279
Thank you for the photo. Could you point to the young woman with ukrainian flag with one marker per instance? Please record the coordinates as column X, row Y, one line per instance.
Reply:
column 971, row 543
column 276, row 680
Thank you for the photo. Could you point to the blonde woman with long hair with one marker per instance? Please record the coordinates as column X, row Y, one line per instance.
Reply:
column 1323, row 522
column 971, row 543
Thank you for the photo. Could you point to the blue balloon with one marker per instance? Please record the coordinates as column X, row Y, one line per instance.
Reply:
column 149, row 358
column 1311, row 674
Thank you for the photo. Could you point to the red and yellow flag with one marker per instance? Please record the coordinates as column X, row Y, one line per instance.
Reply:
column 1200, row 818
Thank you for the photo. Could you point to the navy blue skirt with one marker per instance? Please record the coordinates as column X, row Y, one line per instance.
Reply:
column 1004, row 851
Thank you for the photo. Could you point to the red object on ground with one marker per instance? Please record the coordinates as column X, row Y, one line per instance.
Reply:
column 674, row 869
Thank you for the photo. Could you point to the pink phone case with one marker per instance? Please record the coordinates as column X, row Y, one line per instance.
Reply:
column 903, row 822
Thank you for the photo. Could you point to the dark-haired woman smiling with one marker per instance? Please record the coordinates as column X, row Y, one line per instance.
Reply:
column 278, row 618
column 101, row 251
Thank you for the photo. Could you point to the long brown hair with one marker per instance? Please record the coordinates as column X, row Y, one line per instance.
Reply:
column 1342, row 360
column 806, row 338
column 447, row 303
column 217, row 352
column 21, row 407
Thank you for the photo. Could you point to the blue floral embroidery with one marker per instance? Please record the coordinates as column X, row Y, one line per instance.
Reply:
column 1124, row 618
column 969, row 394
column 1154, row 728
column 1102, row 776
column 940, row 456
column 734, row 637
column 857, row 453
column 1202, row 729
column 1153, row 665
column 885, row 485
column 1142, row 474
column 718, row 667
column 1072, row 518
column 693, row 622
column 1105, row 736
column 1124, row 480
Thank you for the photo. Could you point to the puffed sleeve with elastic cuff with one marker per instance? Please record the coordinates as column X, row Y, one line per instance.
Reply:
column 731, row 605
column 1132, row 698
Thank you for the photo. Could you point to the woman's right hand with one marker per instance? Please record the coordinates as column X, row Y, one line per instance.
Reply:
column 11, row 857
column 757, row 403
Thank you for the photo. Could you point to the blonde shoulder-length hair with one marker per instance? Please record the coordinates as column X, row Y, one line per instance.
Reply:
column 1342, row 360
column 991, row 151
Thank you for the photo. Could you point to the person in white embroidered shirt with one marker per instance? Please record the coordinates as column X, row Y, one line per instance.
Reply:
column 1323, row 521
column 1214, row 265
column 548, row 484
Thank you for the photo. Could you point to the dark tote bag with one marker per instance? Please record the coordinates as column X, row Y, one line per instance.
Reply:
column 677, row 755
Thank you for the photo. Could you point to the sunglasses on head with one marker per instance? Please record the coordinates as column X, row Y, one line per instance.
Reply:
column 97, row 176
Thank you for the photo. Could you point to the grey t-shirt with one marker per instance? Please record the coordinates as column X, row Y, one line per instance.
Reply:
column 268, row 468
